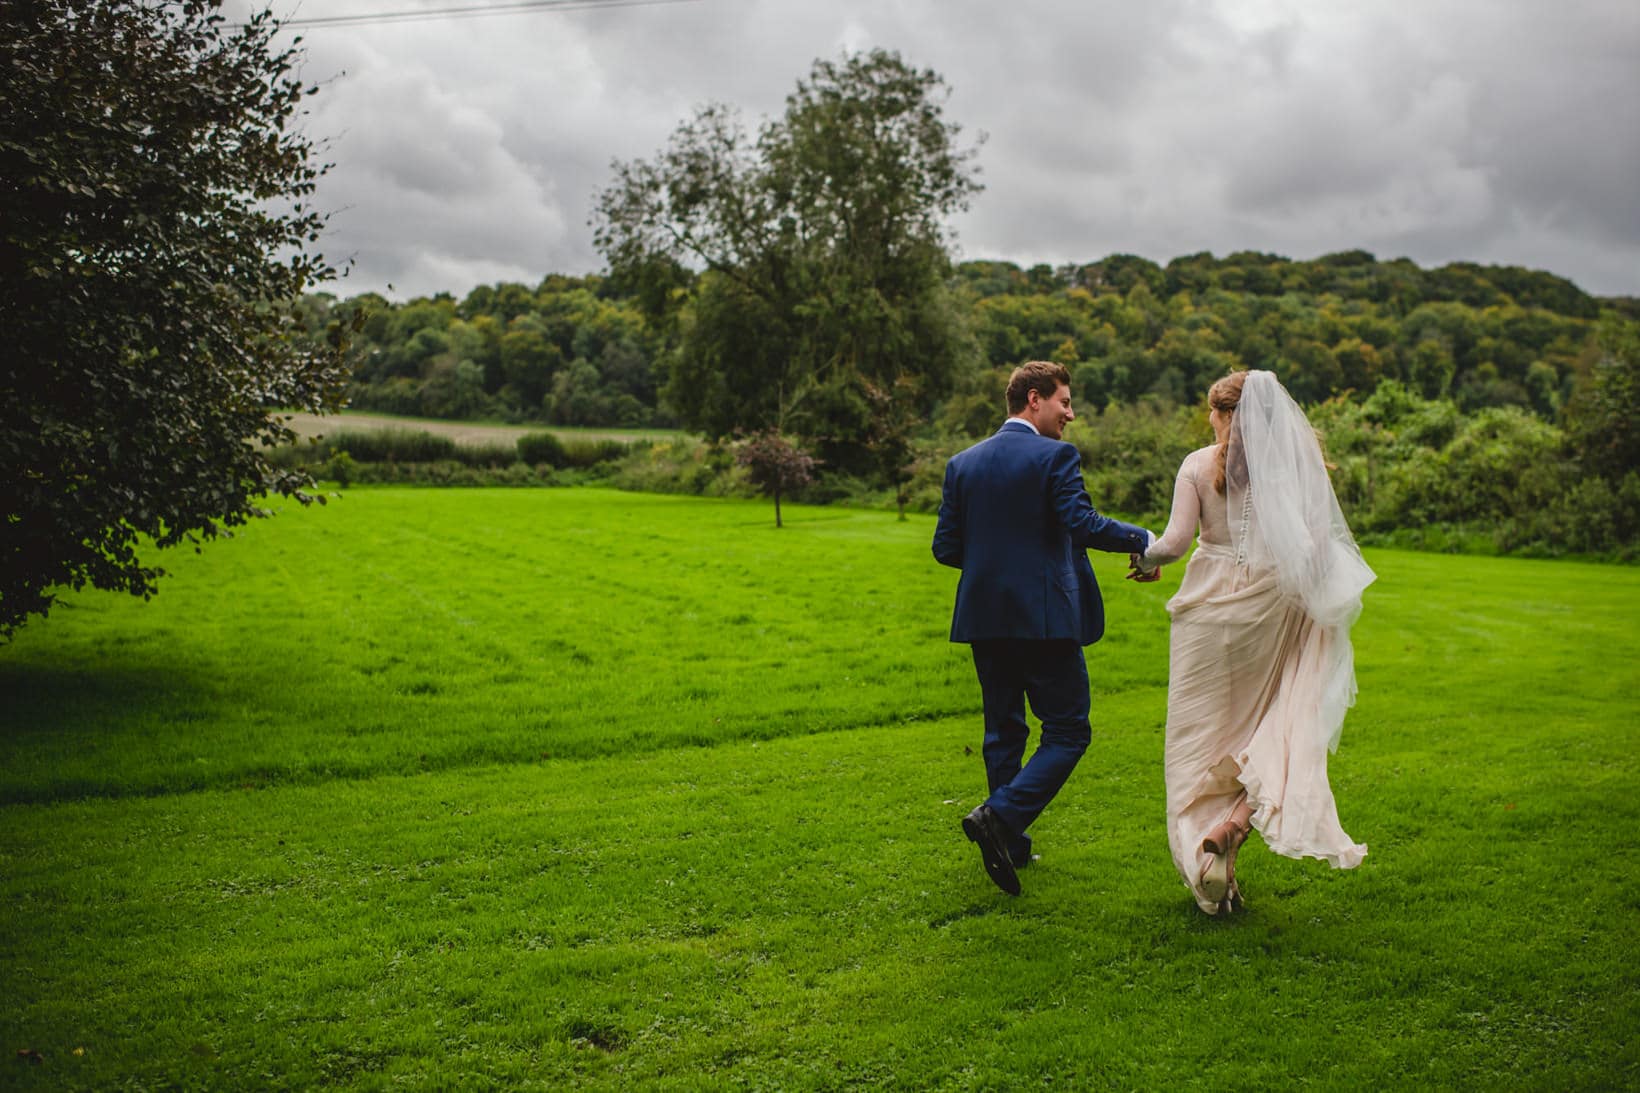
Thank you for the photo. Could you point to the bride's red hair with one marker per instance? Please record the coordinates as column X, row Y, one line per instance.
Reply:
column 1224, row 396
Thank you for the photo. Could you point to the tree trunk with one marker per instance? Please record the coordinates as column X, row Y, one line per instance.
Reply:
column 777, row 507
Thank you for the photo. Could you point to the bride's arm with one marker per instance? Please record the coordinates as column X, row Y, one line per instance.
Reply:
column 1181, row 525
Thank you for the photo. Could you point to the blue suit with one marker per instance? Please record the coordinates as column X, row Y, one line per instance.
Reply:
column 1016, row 519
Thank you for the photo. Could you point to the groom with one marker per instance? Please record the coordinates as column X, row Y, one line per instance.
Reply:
column 1016, row 519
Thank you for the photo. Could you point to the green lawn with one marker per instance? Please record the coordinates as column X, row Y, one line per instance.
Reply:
column 530, row 788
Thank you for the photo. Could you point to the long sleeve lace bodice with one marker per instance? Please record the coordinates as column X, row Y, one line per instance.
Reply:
column 1195, row 504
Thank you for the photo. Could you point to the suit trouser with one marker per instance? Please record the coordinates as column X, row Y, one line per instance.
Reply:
column 1054, row 676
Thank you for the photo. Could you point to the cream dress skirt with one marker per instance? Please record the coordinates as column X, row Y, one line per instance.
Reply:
column 1247, row 672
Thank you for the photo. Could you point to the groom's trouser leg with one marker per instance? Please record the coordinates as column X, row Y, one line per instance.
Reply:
column 1002, row 687
column 1006, row 730
column 1053, row 675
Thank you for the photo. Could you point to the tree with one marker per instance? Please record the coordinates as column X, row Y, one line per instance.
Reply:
column 823, row 248
column 454, row 390
column 155, row 239
column 890, row 433
column 776, row 465
column 1603, row 418
column 579, row 396
column 529, row 361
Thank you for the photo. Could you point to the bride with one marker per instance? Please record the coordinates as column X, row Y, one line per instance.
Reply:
column 1261, row 669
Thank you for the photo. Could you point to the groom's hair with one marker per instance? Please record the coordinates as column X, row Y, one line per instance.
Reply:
column 1043, row 377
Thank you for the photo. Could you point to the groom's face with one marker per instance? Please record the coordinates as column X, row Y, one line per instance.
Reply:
column 1054, row 413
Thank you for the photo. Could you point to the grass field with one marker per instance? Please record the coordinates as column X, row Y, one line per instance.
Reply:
column 462, row 432
column 539, row 788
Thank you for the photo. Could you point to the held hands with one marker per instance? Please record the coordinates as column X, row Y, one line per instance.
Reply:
column 1137, row 572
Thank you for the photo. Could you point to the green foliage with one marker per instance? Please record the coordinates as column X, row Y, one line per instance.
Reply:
column 565, row 353
column 1604, row 416
column 455, row 473
column 341, row 467
column 685, row 466
column 155, row 240
column 392, row 445
column 1409, row 470
column 586, row 452
column 576, row 452
column 538, row 448
column 489, row 455
column 1131, row 454
column 454, row 390
column 1419, row 472
column 1488, row 336
column 469, row 791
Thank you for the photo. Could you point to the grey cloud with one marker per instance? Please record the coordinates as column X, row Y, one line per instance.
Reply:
column 470, row 150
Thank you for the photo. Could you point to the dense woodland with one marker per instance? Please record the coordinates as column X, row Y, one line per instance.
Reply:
column 1466, row 407
column 590, row 351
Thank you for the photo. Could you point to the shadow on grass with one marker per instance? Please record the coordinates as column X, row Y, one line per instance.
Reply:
column 976, row 910
column 46, row 698
column 90, row 718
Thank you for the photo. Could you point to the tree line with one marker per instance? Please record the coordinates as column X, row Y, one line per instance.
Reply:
column 566, row 352
column 1524, row 438
column 587, row 351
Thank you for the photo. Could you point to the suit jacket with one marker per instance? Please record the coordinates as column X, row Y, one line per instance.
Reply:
column 1016, row 519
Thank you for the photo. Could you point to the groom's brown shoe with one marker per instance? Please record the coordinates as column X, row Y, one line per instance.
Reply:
column 987, row 831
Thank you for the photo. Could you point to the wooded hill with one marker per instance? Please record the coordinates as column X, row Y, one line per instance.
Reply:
column 591, row 351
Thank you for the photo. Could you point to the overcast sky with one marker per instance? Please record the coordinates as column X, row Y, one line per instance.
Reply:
column 468, row 151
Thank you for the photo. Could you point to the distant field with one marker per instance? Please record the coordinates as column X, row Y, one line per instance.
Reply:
column 576, row 788
column 462, row 432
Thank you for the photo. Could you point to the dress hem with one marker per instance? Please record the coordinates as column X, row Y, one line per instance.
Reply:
column 1264, row 810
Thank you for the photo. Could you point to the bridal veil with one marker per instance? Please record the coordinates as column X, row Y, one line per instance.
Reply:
column 1284, row 518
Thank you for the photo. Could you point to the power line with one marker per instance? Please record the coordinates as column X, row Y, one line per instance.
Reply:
column 469, row 11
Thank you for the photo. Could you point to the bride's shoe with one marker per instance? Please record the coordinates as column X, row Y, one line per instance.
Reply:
column 1215, row 879
column 1225, row 839
column 1218, row 879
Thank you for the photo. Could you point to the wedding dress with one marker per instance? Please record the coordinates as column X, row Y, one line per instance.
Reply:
column 1261, row 668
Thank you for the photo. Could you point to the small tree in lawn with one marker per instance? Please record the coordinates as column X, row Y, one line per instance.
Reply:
column 776, row 465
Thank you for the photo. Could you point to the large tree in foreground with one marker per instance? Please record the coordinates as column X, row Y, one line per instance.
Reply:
column 822, row 243
column 154, row 241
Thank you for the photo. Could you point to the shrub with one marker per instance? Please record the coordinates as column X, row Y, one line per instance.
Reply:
column 488, row 455
column 392, row 445
column 538, row 448
column 341, row 467
column 452, row 473
column 682, row 465
column 576, row 452
column 579, row 452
